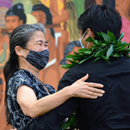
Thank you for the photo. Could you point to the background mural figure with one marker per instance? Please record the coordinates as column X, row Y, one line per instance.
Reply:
column 13, row 18
column 44, row 16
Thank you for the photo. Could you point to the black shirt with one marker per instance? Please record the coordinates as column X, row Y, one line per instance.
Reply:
column 23, row 77
column 112, row 111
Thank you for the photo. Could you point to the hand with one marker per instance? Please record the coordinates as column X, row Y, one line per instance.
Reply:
column 83, row 89
column 13, row 129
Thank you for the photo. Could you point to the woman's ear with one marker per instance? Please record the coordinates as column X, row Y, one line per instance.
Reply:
column 18, row 51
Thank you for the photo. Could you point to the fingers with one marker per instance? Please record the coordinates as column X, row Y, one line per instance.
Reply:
column 84, row 78
column 95, row 90
column 89, row 96
column 91, row 93
column 97, row 94
column 96, row 85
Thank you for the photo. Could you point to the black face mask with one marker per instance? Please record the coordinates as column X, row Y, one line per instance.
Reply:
column 38, row 59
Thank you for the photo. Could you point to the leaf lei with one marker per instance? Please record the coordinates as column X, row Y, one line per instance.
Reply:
column 107, row 46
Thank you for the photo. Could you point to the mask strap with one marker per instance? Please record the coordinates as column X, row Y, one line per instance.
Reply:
column 26, row 49
column 84, row 34
column 87, row 45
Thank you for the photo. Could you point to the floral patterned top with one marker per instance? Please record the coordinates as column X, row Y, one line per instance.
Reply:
column 23, row 77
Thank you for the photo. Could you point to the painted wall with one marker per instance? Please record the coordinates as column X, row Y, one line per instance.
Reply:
column 60, row 20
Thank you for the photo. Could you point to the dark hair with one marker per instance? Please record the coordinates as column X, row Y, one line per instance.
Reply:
column 17, row 10
column 100, row 18
column 19, row 37
column 48, row 14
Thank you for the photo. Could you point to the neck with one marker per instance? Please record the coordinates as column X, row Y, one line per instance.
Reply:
column 23, row 64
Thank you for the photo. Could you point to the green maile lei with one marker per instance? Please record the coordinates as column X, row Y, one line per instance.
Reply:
column 107, row 46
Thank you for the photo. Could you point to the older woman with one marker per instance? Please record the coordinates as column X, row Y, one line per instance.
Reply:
column 26, row 96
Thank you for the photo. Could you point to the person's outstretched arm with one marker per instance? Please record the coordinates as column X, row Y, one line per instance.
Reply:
column 34, row 108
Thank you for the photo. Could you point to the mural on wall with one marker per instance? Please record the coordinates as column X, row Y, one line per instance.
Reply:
column 60, row 19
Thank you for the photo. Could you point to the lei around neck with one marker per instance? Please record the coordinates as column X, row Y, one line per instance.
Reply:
column 106, row 47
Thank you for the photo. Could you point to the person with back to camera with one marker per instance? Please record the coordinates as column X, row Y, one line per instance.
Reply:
column 112, row 111
column 27, row 97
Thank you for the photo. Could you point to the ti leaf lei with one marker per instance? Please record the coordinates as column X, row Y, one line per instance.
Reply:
column 107, row 46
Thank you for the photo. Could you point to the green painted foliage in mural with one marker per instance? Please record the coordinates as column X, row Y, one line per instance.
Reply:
column 79, row 5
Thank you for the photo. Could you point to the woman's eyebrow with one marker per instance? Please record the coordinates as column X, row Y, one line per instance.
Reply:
column 41, row 41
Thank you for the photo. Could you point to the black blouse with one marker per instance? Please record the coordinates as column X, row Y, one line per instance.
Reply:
column 23, row 77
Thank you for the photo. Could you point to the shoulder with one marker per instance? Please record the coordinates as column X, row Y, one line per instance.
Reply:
column 68, row 78
column 21, row 77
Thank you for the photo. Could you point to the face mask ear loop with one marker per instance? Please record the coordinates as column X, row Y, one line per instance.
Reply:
column 81, row 39
column 87, row 45
column 26, row 49
column 84, row 34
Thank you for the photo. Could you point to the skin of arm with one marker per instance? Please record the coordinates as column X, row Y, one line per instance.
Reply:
column 33, row 107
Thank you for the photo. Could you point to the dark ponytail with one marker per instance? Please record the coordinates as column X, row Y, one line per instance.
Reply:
column 19, row 37
column 10, row 68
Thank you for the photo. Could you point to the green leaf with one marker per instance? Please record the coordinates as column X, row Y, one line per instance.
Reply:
column 127, row 50
column 82, row 50
column 118, row 44
column 100, row 53
column 85, row 59
column 116, row 55
column 73, row 62
column 100, row 36
column 106, row 59
column 68, row 66
column 74, row 57
column 121, row 47
column 85, row 51
column 70, row 56
column 120, row 37
column 106, row 37
column 113, row 39
column 98, row 58
column 90, row 39
column 76, row 53
column 102, row 44
column 110, row 51
column 88, row 52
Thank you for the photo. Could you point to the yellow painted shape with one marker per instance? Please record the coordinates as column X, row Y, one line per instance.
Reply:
column 60, row 6
column 30, row 19
column 46, row 3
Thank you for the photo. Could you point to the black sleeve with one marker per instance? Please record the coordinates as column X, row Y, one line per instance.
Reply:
column 53, row 119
